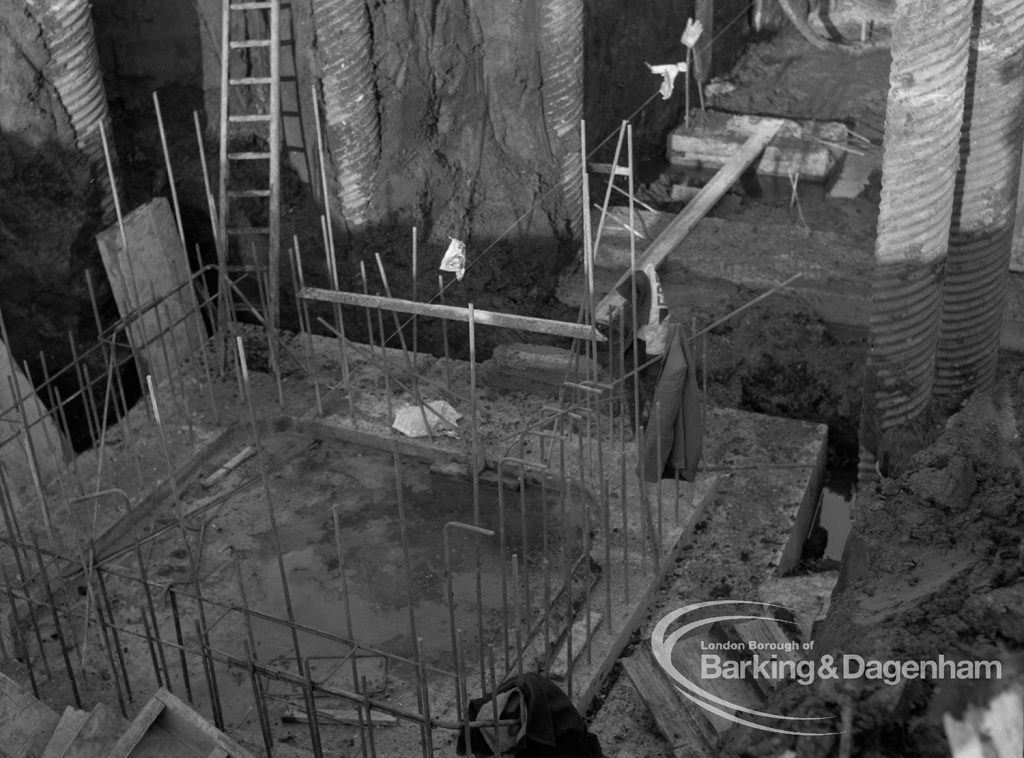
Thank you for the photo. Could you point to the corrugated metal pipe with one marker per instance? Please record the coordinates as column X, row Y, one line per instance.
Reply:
column 922, row 132
column 561, row 61
column 350, row 103
column 74, row 70
column 985, row 204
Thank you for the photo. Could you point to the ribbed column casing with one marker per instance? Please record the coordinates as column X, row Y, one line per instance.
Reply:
column 919, row 165
column 561, row 60
column 985, row 201
column 350, row 103
column 74, row 70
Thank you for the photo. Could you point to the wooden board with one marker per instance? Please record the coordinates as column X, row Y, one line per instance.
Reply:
column 684, row 730
column 686, row 657
column 51, row 448
column 326, row 716
column 71, row 722
column 669, row 240
column 153, row 266
column 1017, row 251
column 168, row 727
column 98, row 734
column 25, row 723
column 453, row 313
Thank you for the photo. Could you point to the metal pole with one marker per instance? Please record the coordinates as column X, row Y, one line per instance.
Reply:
column 444, row 335
column 348, row 620
column 313, row 719
column 450, row 595
column 271, row 513
column 56, row 622
column 113, row 629
column 173, row 595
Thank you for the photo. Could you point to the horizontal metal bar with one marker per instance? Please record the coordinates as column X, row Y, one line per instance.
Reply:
column 454, row 313
column 249, row 193
column 251, row 80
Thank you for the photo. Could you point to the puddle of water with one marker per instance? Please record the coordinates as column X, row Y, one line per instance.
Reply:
column 835, row 512
column 360, row 483
column 380, row 586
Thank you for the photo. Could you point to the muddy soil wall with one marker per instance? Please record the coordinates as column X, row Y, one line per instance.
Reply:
column 464, row 149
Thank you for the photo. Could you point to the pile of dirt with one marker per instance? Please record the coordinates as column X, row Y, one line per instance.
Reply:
column 780, row 360
column 934, row 567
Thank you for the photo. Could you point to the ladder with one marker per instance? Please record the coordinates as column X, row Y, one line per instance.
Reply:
column 250, row 106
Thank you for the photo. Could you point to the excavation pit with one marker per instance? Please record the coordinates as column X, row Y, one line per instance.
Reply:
column 314, row 481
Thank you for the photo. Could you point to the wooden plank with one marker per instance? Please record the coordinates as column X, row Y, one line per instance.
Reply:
column 178, row 718
column 98, row 734
column 669, row 240
column 25, row 723
column 608, row 168
column 702, row 51
column 141, row 724
column 686, row 657
column 51, row 447
column 454, row 313
column 348, row 716
column 687, row 736
column 245, row 453
column 71, row 722
column 153, row 266
column 608, row 647
column 581, row 637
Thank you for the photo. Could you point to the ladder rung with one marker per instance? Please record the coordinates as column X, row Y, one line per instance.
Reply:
column 245, row 230
column 248, row 156
column 244, row 119
column 607, row 168
column 249, row 43
column 249, row 193
column 251, row 80
column 250, row 6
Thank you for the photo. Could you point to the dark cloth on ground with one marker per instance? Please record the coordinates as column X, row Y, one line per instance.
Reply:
column 551, row 727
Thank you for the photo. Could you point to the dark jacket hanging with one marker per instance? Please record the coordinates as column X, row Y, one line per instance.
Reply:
column 675, row 416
